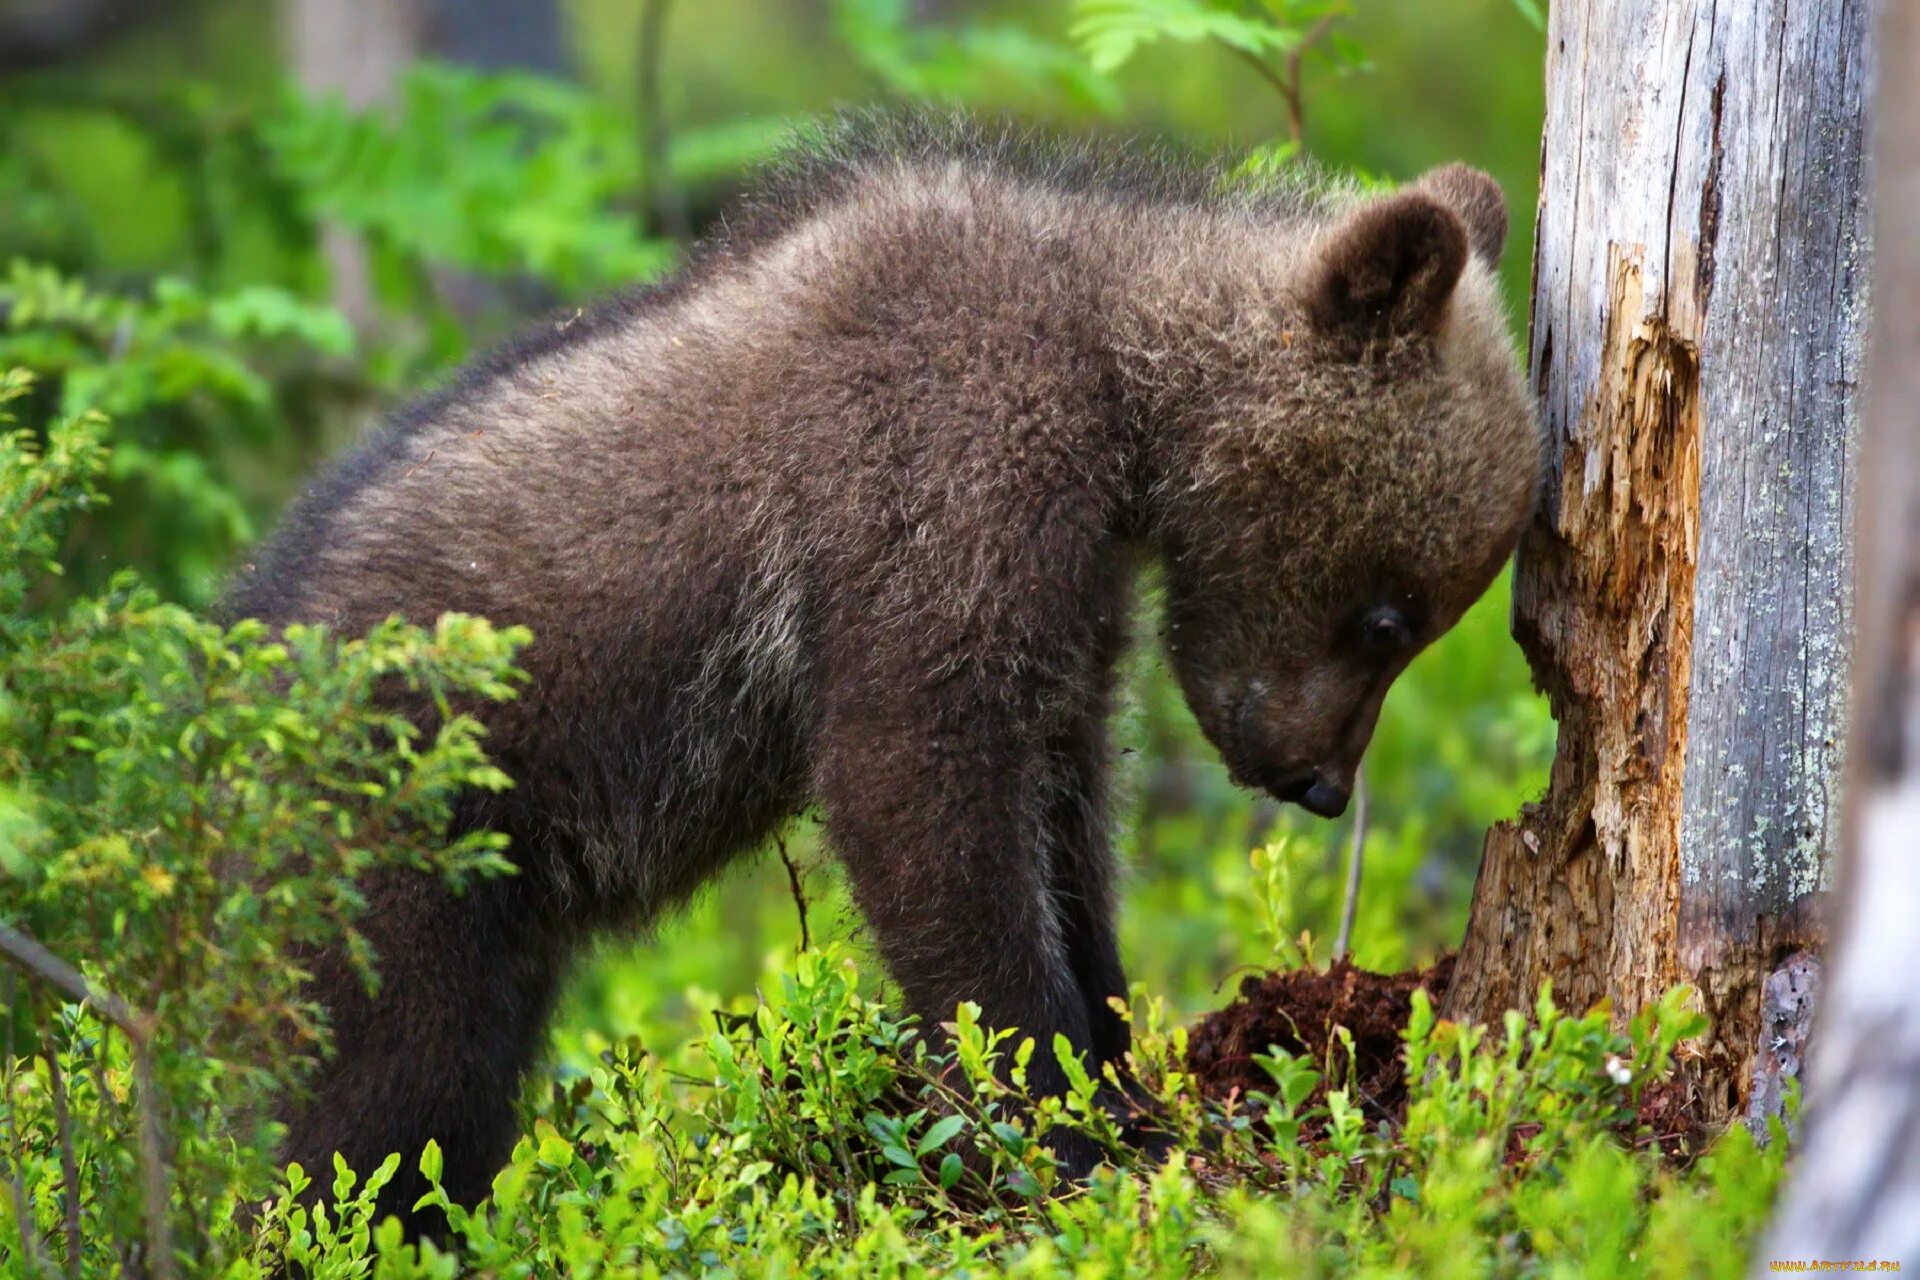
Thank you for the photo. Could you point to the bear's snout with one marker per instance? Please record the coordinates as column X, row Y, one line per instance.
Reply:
column 1253, row 760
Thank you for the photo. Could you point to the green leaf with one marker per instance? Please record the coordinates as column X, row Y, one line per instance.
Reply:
column 939, row 1134
column 1110, row 32
column 432, row 1163
column 1010, row 1138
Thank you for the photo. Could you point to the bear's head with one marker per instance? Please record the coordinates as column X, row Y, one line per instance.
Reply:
column 1344, row 463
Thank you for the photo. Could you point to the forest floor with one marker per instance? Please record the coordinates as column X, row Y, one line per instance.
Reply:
column 1299, row 1010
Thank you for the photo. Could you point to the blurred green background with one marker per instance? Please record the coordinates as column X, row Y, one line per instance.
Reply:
column 203, row 237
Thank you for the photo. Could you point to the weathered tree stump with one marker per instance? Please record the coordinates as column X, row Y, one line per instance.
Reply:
column 1684, row 593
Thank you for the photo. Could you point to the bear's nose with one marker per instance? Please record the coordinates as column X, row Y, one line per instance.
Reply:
column 1324, row 799
column 1314, row 794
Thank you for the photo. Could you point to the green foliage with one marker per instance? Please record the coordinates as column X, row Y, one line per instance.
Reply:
column 188, row 376
column 221, row 394
column 187, row 809
column 1521, row 1155
column 967, row 65
column 497, row 174
column 1112, row 31
column 811, row 1133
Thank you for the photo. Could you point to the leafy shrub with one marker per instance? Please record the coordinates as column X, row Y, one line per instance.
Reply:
column 220, row 394
column 185, row 809
column 916, row 61
column 813, row 1135
column 501, row 174
column 202, row 389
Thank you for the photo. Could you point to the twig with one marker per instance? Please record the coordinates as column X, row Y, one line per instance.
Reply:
column 153, row 1166
column 102, row 1055
column 1296, row 103
column 1235, row 972
column 69, row 1166
column 68, row 981
column 1289, row 86
column 30, row 1247
column 97, row 1062
column 1354, row 855
column 659, row 198
column 41, row 963
column 799, row 894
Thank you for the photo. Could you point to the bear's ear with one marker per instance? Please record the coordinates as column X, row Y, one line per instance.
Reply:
column 1387, row 269
column 1477, row 198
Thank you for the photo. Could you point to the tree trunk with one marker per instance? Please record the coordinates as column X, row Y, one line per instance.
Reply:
column 356, row 52
column 1684, row 593
column 1855, row 1192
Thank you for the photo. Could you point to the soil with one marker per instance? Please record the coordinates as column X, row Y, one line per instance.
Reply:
column 1297, row 1010
column 1670, row 1118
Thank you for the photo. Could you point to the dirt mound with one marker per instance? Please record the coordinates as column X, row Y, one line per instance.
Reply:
column 1297, row 1011
column 1669, row 1119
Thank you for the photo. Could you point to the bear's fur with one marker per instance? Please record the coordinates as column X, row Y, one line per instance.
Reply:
column 849, row 514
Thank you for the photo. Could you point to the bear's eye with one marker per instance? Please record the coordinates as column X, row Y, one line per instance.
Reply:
column 1385, row 632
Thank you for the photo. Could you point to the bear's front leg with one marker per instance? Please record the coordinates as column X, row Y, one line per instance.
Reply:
column 437, row 1053
column 1080, row 869
column 1080, row 862
column 938, row 804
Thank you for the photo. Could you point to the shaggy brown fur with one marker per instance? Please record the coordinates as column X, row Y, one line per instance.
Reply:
column 849, row 513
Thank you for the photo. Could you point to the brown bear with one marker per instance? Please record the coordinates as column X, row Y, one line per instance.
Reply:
column 849, row 514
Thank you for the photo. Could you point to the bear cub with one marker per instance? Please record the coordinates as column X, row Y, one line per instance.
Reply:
column 849, row 514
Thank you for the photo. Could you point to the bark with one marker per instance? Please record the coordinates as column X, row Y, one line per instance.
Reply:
column 1684, row 593
column 1855, row 1190
column 353, row 50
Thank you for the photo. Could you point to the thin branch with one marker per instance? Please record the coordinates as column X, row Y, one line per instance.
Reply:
column 1296, row 101
column 1354, row 855
column 799, row 894
column 69, row 1166
column 153, row 1166
column 41, row 963
column 1289, row 86
column 660, row 198
column 97, row 1062
column 30, row 1247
